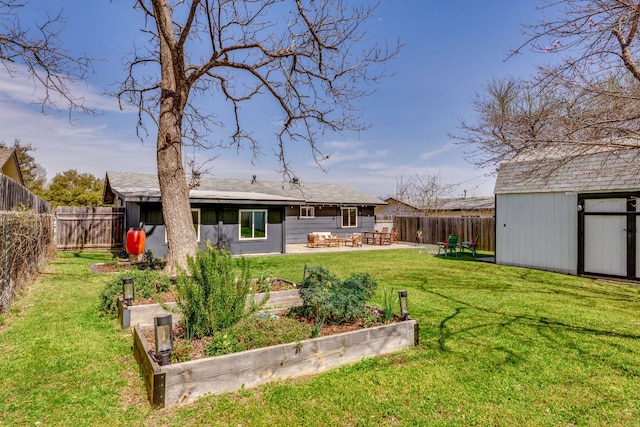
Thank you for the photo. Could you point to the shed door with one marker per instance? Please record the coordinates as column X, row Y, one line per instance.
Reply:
column 609, row 243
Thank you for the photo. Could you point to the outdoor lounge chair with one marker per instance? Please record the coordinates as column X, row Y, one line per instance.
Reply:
column 450, row 246
column 471, row 246
column 317, row 238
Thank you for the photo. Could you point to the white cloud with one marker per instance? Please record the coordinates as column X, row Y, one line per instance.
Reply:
column 434, row 153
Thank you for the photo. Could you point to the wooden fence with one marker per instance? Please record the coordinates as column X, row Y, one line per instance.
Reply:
column 89, row 228
column 436, row 229
column 14, row 196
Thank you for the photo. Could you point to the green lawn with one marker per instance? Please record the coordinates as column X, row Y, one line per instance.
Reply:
column 499, row 346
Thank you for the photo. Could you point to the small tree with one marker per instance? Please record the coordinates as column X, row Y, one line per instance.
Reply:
column 71, row 188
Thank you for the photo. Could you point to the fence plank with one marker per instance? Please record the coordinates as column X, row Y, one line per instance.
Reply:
column 14, row 196
column 89, row 228
column 437, row 228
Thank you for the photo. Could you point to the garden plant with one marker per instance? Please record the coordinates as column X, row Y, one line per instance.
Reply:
column 499, row 346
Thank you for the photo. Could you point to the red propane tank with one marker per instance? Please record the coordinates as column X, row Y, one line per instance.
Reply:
column 135, row 241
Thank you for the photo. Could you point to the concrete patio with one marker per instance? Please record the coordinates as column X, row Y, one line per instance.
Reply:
column 302, row 248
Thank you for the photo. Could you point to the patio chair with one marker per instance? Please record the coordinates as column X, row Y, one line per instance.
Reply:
column 393, row 237
column 470, row 246
column 384, row 238
column 354, row 239
column 450, row 246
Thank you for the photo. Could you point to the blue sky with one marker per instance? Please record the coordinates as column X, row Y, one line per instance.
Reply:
column 451, row 49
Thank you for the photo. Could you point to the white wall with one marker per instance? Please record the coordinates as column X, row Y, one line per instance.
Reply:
column 538, row 231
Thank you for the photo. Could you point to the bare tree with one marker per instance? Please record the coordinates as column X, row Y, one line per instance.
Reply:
column 308, row 57
column 54, row 71
column 422, row 191
column 586, row 99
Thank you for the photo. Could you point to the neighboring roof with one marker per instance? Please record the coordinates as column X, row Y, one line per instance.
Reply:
column 9, row 165
column 145, row 187
column 451, row 204
column 467, row 204
column 594, row 172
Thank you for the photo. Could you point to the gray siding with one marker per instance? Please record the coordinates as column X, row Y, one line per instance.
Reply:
column 212, row 229
column 326, row 219
column 537, row 231
column 155, row 240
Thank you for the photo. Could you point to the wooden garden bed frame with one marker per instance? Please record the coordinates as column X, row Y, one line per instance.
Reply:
column 181, row 383
column 143, row 315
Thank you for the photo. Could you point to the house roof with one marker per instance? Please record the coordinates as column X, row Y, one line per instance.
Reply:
column 9, row 165
column 144, row 187
column 594, row 172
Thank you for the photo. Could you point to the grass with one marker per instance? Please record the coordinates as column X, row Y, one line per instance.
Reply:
column 499, row 346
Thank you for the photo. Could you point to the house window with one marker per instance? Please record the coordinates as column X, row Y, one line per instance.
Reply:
column 307, row 212
column 253, row 224
column 195, row 216
column 349, row 217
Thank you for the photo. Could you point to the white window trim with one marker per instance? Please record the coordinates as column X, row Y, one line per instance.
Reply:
column 342, row 217
column 311, row 210
column 266, row 225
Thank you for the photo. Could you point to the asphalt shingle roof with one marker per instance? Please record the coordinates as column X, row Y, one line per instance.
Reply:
column 594, row 172
column 137, row 186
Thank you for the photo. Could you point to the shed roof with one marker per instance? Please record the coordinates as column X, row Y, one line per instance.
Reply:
column 145, row 187
column 604, row 171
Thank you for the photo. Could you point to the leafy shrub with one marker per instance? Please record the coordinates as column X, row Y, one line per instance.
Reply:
column 325, row 297
column 222, row 344
column 150, row 262
column 147, row 283
column 210, row 296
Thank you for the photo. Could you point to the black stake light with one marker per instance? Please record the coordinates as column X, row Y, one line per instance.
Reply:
column 164, row 338
column 404, row 304
column 128, row 290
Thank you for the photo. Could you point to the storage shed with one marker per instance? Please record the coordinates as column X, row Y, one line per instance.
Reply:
column 579, row 216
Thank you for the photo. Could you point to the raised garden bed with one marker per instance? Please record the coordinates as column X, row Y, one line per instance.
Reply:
column 184, row 382
column 143, row 314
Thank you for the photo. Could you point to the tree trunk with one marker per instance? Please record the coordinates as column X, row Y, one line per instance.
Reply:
column 176, row 206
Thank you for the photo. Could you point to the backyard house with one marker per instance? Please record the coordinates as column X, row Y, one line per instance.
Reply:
column 245, row 216
column 9, row 166
column 460, row 206
column 579, row 216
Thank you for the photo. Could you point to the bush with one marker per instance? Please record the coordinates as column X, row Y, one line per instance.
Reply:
column 210, row 296
column 222, row 344
column 325, row 297
column 147, row 283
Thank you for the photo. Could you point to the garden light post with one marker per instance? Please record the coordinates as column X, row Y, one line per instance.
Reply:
column 404, row 305
column 163, row 326
column 128, row 290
